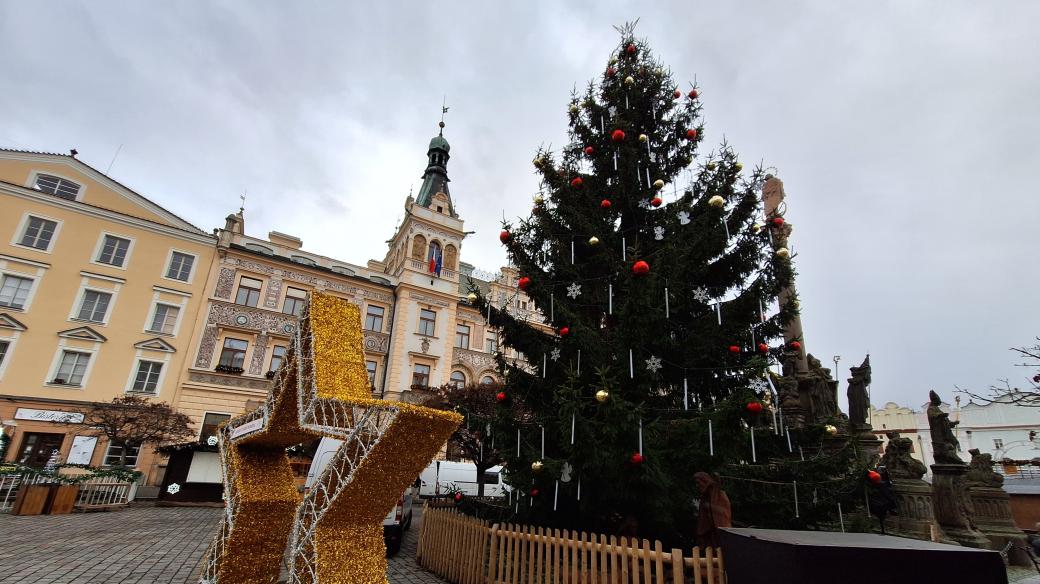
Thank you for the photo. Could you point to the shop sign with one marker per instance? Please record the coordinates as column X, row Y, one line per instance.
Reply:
column 48, row 415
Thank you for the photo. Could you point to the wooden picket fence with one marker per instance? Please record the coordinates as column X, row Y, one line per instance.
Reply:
column 466, row 550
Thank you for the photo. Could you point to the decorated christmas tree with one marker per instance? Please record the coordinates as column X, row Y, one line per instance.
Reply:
column 656, row 269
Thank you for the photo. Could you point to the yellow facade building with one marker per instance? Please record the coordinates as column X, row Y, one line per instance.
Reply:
column 98, row 291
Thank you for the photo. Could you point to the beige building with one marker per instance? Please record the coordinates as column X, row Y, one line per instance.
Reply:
column 98, row 291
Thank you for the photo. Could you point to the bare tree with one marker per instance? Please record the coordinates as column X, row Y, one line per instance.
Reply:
column 133, row 421
column 1005, row 392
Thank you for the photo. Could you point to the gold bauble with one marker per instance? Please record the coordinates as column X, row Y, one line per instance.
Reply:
column 738, row 166
column 783, row 252
column 538, row 200
column 537, row 466
column 830, row 430
column 593, row 240
column 602, row 395
column 629, row 80
column 574, row 108
column 716, row 201
column 756, row 227
column 471, row 297
column 710, row 166
column 538, row 162
column 643, row 138
column 658, row 184
column 613, row 61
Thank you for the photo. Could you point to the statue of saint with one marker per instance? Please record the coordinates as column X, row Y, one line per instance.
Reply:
column 980, row 471
column 898, row 458
column 857, row 392
column 944, row 443
column 823, row 391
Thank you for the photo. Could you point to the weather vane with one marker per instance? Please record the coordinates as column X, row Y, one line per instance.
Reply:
column 242, row 209
column 444, row 110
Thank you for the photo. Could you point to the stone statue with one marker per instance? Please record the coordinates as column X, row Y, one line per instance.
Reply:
column 898, row 460
column 944, row 443
column 980, row 471
column 858, row 401
column 822, row 390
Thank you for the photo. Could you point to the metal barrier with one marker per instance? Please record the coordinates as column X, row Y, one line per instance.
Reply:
column 96, row 493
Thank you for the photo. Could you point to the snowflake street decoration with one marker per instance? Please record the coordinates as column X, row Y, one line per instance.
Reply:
column 555, row 354
column 574, row 290
column 684, row 217
column 212, row 440
column 173, row 488
column 658, row 233
column 653, row 364
column 645, row 204
column 758, row 385
column 701, row 295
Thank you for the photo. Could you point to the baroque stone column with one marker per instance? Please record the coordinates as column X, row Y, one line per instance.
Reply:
column 952, row 506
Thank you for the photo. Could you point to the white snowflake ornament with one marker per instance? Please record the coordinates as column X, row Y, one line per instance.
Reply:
column 574, row 290
column 658, row 233
column 645, row 204
column 701, row 295
column 173, row 488
column 555, row 354
column 758, row 385
column 653, row 364
column 684, row 217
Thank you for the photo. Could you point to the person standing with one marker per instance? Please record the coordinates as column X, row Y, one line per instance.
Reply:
column 714, row 510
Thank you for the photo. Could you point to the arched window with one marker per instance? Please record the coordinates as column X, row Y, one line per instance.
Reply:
column 487, row 380
column 418, row 247
column 458, row 378
column 435, row 251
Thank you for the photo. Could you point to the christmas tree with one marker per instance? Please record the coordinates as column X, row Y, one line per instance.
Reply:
column 663, row 293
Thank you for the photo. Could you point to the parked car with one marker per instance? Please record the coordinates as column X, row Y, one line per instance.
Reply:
column 443, row 476
column 396, row 522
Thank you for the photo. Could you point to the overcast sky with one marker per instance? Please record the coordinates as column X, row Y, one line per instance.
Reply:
column 906, row 135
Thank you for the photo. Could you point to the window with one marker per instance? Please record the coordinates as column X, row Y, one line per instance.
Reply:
column 147, row 379
column 374, row 318
column 248, row 291
column 277, row 357
column 113, row 251
column 165, row 319
column 458, row 379
column 370, row 366
column 462, row 336
column 998, row 443
column 180, row 266
column 113, row 454
column 38, row 233
column 56, row 186
column 233, row 355
column 487, row 380
column 94, row 306
column 294, row 300
column 427, row 322
column 14, row 291
column 3, row 350
column 492, row 345
column 421, row 375
column 72, row 369
column 211, row 424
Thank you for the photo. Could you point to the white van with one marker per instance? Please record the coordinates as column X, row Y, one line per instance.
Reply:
column 443, row 476
column 396, row 521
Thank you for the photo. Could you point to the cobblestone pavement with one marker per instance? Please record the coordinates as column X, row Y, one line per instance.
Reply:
column 143, row 545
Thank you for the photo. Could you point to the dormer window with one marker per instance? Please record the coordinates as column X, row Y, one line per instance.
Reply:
column 57, row 186
column 440, row 209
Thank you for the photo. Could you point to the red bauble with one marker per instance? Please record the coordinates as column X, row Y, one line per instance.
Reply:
column 458, row 497
column 656, row 201
column 500, row 397
column 576, row 182
column 589, row 150
column 640, row 268
column 534, row 492
column 874, row 476
column 504, row 236
column 611, row 71
column 617, row 136
column 523, row 282
column 630, row 49
column 564, row 331
column 693, row 94
column 637, row 458
column 778, row 221
column 763, row 347
column 691, row 134
column 754, row 407
column 734, row 349
column 604, row 204
column 796, row 345
column 677, row 94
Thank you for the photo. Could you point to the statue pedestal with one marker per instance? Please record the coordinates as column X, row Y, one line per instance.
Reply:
column 992, row 507
column 915, row 519
column 870, row 446
column 951, row 505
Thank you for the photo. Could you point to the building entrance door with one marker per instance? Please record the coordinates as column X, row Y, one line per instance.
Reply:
column 37, row 447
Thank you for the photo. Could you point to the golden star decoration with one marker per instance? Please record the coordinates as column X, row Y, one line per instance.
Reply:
column 336, row 528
